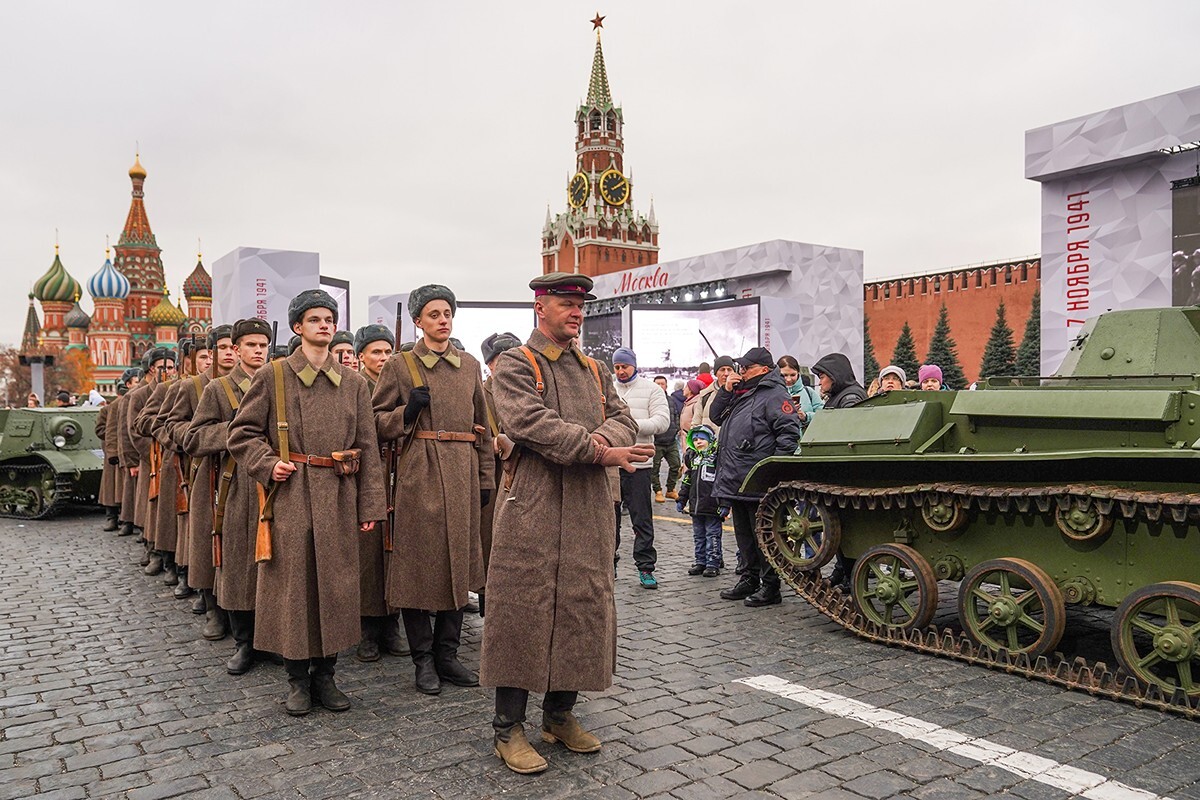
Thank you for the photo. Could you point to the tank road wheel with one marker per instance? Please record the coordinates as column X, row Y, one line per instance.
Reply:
column 1081, row 523
column 1011, row 604
column 894, row 586
column 945, row 515
column 802, row 534
column 1156, row 636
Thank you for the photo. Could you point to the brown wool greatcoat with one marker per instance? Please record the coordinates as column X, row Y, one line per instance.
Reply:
column 372, row 566
column 235, row 582
column 307, row 603
column 137, row 453
column 436, row 555
column 489, row 511
column 551, row 619
column 109, row 491
column 163, row 509
column 176, row 421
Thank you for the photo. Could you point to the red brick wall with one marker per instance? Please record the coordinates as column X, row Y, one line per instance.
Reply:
column 971, row 296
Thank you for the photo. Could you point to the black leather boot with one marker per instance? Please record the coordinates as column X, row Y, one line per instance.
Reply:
column 482, row 602
column 299, row 698
column 216, row 621
column 368, row 645
column 110, row 518
column 155, row 563
column 420, row 643
column 746, row 586
column 170, row 570
column 241, row 623
column 126, row 529
column 447, row 634
column 391, row 641
column 198, row 605
column 767, row 594
column 323, row 689
column 182, row 589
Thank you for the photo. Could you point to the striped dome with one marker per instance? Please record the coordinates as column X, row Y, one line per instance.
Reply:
column 166, row 314
column 77, row 317
column 108, row 283
column 199, row 283
column 56, row 285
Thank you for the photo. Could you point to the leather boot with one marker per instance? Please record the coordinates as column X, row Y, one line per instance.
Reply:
column 182, row 590
column 767, row 594
column 126, row 529
column 746, row 586
column 170, row 570
column 242, row 625
column 482, row 602
column 110, row 518
column 154, row 564
column 518, row 754
column 323, row 689
column 216, row 621
column 368, row 645
column 563, row 727
column 420, row 643
column 447, row 634
column 390, row 640
column 299, row 698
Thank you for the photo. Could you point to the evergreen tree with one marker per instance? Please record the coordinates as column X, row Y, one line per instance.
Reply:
column 1029, row 354
column 999, row 356
column 905, row 354
column 870, row 363
column 944, row 352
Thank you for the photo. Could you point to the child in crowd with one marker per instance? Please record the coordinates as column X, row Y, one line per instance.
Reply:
column 695, row 495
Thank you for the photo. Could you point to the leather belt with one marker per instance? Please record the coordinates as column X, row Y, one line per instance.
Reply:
column 312, row 461
column 445, row 436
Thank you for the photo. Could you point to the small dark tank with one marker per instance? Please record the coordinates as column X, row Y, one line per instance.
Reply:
column 49, row 457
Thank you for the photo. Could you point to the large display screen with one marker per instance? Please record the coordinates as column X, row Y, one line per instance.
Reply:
column 339, row 290
column 601, row 336
column 1185, row 242
column 674, row 339
column 475, row 321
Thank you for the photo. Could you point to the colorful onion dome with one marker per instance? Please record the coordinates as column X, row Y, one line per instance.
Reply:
column 199, row 283
column 56, row 285
column 166, row 314
column 77, row 317
column 108, row 283
column 137, row 170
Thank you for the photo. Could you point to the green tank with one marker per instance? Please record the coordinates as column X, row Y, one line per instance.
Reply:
column 48, row 457
column 1019, row 501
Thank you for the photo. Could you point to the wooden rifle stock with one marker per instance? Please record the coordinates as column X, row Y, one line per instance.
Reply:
column 155, row 465
column 181, row 487
column 262, row 537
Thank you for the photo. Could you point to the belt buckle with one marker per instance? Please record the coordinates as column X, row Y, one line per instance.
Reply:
column 441, row 436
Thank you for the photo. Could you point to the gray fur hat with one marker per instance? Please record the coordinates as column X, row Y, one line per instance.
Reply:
column 292, row 344
column 245, row 327
column 372, row 333
column 341, row 337
column 497, row 343
column 424, row 295
column 217, row 333
column 311, row 298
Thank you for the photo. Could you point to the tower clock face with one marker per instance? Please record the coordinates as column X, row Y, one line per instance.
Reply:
column 614, row 187
column 577, row 190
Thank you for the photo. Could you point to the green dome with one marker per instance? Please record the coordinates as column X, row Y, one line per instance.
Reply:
column 56, row 285
column 166, row 314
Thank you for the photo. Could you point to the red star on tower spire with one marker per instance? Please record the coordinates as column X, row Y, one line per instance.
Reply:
column 597, row 22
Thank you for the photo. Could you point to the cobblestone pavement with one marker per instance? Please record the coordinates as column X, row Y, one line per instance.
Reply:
column 107, row 690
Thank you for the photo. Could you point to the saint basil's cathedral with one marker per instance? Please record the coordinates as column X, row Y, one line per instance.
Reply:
column 132, row 309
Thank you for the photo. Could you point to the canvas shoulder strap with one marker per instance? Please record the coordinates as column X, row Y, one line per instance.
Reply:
column 599, row 383
column 414, row 369
column 196, row 387
column 538, row 383
column 285, row 453
column 227, row 385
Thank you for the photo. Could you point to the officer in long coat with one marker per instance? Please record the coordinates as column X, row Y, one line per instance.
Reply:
column 231, row 518
column 160, row 367
column 108, row 498
column 430, row 403
column 380, row 628
column 307, row 604
column 131, row 378
column 551, row 619
column 196, row 535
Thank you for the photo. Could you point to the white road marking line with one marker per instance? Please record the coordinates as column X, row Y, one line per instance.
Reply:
column 1027, row 765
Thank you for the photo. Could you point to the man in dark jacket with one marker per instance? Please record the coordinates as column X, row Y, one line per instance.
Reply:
column 757, row 421
column 839, row 387
column 666, row 445
column 840, row 390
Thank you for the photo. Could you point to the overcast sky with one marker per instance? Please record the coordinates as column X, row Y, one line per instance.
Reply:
column 419, row 142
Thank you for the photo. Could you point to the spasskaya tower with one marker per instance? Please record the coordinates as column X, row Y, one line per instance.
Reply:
column 600, row 232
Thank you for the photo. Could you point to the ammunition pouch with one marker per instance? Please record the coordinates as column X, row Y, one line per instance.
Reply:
column 346, row 462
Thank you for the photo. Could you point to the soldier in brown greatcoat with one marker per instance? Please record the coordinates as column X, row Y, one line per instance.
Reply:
column 551, row 619
column 160, row 366
column 195, row 535
column 108, row 473
column 230, row 517
column 492, row 347
column 160, row 510
column 430, row 403
column 322, row 497
column 120, row 425
column 380, row 629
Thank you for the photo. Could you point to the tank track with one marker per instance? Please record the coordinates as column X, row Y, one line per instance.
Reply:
column 63, row 491
column 1077, row 674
